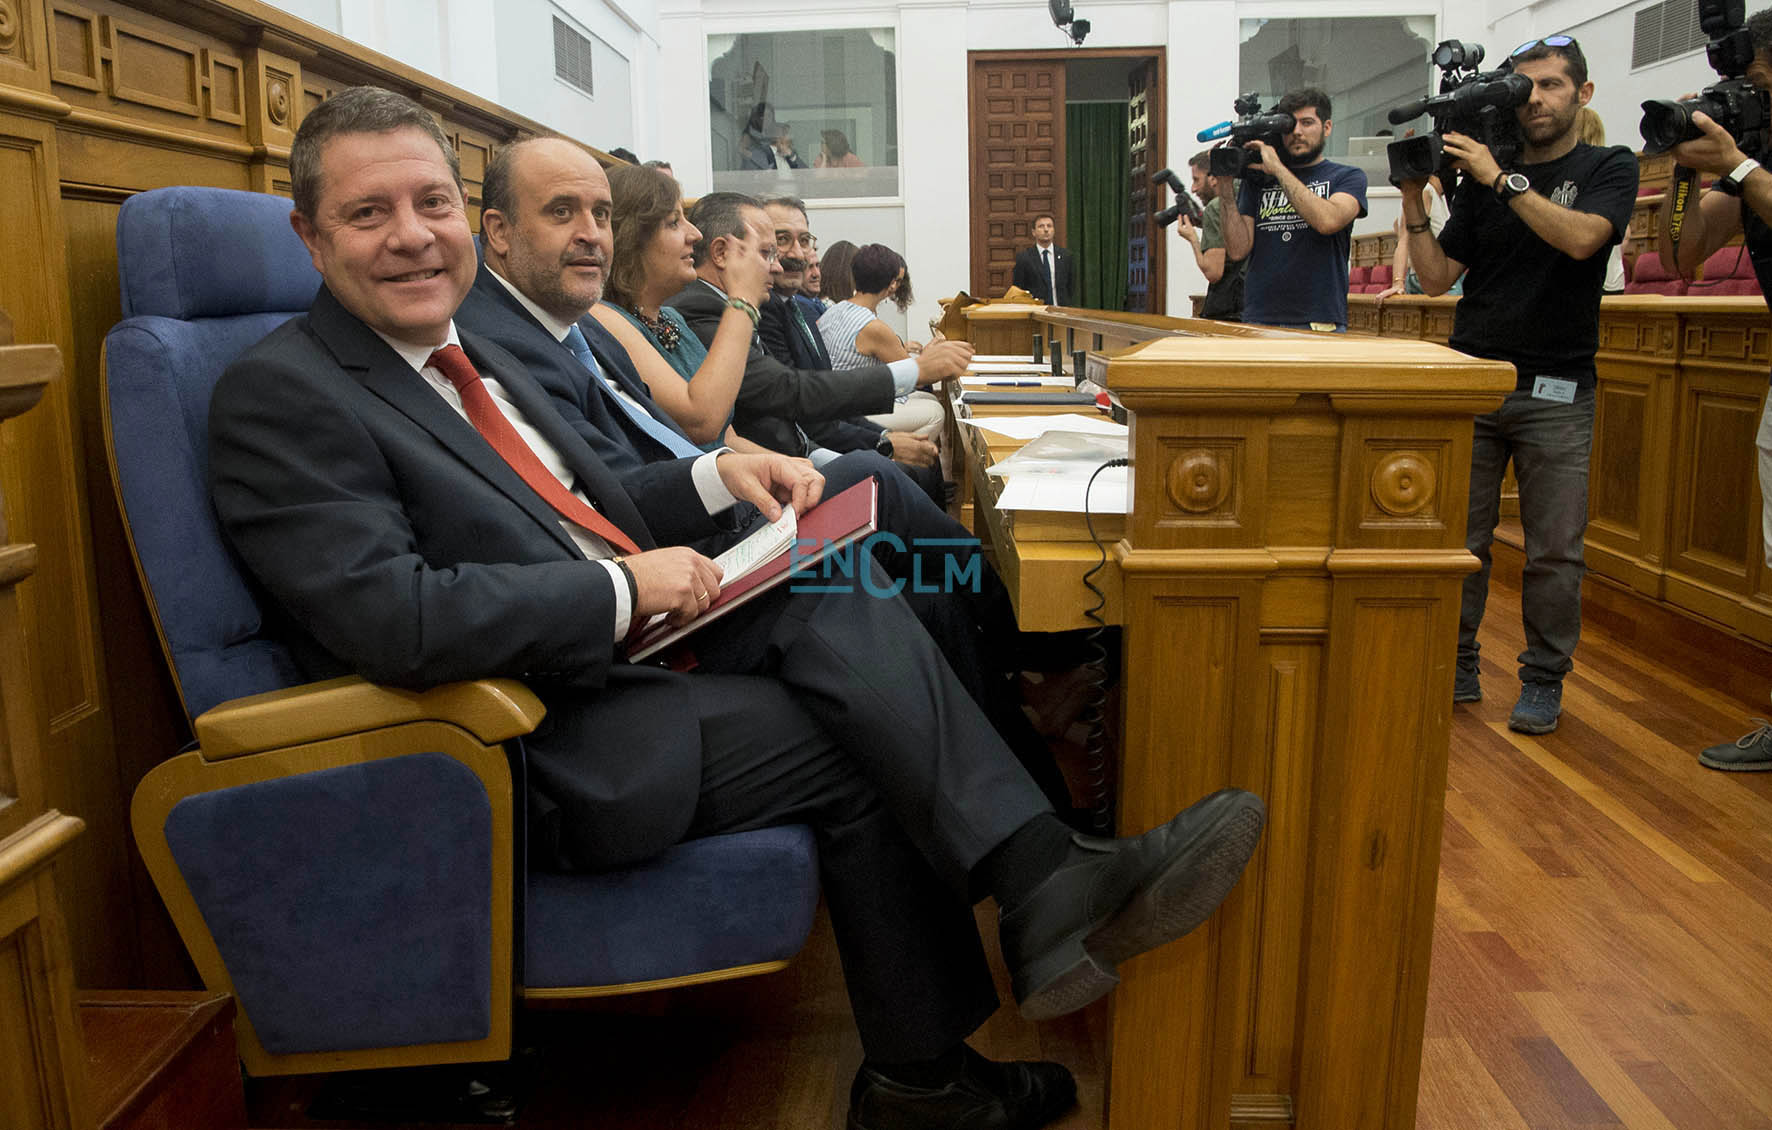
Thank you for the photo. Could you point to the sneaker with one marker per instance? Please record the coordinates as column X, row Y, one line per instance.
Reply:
column 1540, row 705
column 1750, row 753
column 1467, row 684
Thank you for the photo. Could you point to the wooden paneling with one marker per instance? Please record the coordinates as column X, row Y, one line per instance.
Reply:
column 1017, row 161
column 42, row 1084
column 100, row 99
column 1673, row 486
column 1288, row 585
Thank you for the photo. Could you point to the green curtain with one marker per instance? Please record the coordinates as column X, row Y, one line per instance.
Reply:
column 1098, row 227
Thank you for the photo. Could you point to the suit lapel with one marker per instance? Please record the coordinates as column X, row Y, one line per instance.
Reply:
column 616, row 362
column 386, row 375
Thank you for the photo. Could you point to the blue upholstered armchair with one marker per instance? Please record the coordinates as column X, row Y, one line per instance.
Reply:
column 343, row 857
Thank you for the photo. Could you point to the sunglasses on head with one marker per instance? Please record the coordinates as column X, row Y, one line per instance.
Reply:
column 1547, row 41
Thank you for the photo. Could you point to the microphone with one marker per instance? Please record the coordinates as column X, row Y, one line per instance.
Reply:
column 1408, row 110
column 1213, row 133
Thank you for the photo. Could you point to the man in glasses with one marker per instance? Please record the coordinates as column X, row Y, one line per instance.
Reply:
column 1739, row 203
column 1294, row 222
column 1532, row 242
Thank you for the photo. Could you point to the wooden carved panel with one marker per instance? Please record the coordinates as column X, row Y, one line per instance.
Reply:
column 1717, row 529
column 224, row 87
column 1017, row 162
column 152, row 69
column 1403, row 484
column 1620, row 417
column 1205, row 481
column 15, row 33
column 74, row 47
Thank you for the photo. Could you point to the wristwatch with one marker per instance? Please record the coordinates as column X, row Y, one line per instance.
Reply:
column 1732, row 182
column 1510, row 185
column 883, row 445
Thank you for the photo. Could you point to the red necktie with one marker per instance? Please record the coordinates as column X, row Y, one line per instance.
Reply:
column 492, row 424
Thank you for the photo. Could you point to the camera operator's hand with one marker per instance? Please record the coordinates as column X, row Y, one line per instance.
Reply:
column 1715, row 153
column 1187, row 230
column 1472, row 156
column 1270, row 157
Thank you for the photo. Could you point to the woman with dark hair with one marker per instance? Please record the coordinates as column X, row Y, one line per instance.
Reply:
column 695, row 385
column 834, row 152
column 854, row 334
column 835, row 285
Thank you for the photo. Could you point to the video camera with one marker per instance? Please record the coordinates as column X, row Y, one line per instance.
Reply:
column 1185, row 204
column 1231, row 159
column 1735, row 103
column 1478, row 104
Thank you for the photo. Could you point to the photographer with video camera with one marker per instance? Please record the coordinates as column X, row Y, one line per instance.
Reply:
column 1293, row 221
column 1531, row 243
column 1720, row 216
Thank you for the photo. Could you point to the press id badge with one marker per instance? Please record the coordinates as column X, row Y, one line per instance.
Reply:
column 1551, row 388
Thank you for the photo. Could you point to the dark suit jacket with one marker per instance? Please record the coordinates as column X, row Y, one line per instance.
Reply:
column 1030, row 275
column 492, row 311
column 402, row 547
column 774, row 397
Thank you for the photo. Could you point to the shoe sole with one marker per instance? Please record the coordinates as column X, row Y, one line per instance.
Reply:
column 1478, row 697
column 1519, row 727
column 1083, row 969
column 1735, row 766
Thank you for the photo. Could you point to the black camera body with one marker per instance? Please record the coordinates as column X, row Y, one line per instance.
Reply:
column 1735, row 103
column 1185, row 204
column 1231, row 159
column 1476, row 103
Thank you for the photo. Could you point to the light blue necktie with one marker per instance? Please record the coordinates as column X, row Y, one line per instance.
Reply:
column 674, row 443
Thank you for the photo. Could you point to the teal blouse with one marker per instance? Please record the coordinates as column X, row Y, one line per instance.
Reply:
column 686, row 358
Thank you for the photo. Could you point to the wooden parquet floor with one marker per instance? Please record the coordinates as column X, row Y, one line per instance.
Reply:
column 1602, row 955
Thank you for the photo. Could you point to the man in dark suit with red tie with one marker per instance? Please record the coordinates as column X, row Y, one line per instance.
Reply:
column 1044, row 270
column 419, row 512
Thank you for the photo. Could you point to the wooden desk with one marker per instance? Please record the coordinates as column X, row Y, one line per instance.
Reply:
column 1289, row 584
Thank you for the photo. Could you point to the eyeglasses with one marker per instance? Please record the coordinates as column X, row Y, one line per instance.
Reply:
column 785, row 240
column 1547, row 41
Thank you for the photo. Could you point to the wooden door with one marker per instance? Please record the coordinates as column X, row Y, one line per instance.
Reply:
column 1144, row 285
column 1017, row 162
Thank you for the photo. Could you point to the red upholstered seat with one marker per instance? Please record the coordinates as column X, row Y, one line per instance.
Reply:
column 1652, row 277
column 1381, row 275
column 1732, row 286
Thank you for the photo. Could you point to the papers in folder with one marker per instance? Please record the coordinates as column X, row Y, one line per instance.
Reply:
column 1060, row 468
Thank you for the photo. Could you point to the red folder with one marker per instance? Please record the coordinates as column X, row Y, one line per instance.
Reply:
column 826, row 528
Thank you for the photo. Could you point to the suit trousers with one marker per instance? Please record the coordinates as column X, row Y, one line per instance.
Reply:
column 836, row 710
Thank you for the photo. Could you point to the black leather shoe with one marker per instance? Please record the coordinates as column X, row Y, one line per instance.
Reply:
column 987, row 1096
column 1115, row 899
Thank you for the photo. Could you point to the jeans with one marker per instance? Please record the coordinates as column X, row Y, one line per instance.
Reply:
column 1549, row 444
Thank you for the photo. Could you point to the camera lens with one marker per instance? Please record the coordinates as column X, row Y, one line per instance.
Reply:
column 1666, row 123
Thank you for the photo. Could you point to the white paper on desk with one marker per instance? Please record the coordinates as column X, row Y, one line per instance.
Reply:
column 1022, row 366
column 1064, row 491
column 997, row 381
column 1032, row 427
column 1061, row 452
column 1012, row 358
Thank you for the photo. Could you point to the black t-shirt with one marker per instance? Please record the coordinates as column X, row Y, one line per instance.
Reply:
column 1525, row 301
column 1758, row 236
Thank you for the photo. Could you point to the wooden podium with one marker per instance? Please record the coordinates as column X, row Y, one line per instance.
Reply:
column 1288, row 582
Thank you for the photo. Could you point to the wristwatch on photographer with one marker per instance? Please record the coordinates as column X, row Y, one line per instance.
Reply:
column 1732, row 183
column 883, row 445
column 1510, row 185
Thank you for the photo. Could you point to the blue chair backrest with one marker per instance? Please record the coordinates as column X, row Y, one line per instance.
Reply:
column 205, row 273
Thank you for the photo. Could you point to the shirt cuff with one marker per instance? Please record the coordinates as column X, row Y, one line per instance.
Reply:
column 706, row 476
column 904, row 376
column 821, row 455
column 624, row 611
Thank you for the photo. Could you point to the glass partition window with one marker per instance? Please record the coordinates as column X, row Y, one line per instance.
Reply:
column 805, row 113
column 1366, row 64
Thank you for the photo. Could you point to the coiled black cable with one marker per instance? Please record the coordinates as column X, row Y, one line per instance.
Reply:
column 1097, row 764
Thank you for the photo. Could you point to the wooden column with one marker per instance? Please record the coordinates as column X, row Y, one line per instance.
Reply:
column 1291, row 578
column 42, row 1081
